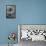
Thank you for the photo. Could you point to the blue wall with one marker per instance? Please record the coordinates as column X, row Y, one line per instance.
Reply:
column 27, row 12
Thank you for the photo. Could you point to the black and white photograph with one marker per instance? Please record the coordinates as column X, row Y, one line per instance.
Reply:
column 10, row 11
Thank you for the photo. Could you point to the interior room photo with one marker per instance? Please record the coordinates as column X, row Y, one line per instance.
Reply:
column 22, row 22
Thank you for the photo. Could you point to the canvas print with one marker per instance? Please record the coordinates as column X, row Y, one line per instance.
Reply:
column 10, row 11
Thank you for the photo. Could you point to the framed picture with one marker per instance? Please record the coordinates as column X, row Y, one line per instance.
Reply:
column 10, row 11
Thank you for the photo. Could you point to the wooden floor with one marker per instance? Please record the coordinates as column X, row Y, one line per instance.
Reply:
column 27, row 43
column 30, row 43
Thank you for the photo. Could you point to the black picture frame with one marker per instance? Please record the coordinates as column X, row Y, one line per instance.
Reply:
column 10, row 11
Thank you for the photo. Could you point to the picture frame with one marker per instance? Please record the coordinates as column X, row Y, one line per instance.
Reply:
column 10, row 11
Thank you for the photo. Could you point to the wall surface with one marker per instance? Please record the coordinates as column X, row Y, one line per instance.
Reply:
column 27, row 12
